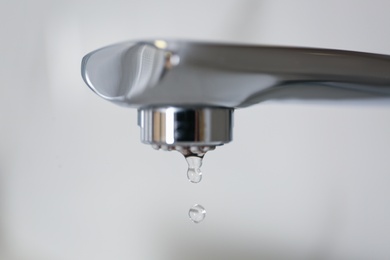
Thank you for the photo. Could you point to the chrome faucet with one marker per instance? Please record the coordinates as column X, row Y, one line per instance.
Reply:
column 186, row 92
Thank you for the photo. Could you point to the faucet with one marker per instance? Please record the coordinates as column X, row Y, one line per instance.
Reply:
column 186, row 92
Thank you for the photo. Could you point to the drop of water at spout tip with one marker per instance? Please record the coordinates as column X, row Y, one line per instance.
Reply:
column 194, row 174
column 197, row 213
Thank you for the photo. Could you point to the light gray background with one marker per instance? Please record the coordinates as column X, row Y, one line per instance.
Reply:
column 300, row 181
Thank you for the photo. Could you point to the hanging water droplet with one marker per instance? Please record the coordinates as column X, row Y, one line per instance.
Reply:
column 194, row 173
column 197, row 213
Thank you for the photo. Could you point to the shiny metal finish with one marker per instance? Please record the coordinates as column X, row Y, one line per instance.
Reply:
column 181, row 73
column 179, row 128
column 166, row 80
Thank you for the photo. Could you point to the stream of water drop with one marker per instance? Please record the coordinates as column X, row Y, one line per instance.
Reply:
column 197, row 213
column 194, row 174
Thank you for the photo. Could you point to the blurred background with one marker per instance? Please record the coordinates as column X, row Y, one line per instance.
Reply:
column 300, row 180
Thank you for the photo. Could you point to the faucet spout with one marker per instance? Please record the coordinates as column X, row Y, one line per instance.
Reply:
column 186, row 92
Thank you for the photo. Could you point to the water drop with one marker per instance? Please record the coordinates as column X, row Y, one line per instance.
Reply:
column 197, row 213
column 194, row 173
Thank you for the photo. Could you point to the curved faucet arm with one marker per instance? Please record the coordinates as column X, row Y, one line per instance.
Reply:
column 186, row 92
column 182, row 73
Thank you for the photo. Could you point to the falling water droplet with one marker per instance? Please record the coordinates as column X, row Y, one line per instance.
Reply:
column 197, row 213
column 194, row 173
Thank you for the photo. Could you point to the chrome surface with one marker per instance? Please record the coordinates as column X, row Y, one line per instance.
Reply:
column 181, row 73
column 186, row 129
column 164, row 78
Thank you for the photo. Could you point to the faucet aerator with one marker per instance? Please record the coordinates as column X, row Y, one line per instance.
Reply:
column 189, row 130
